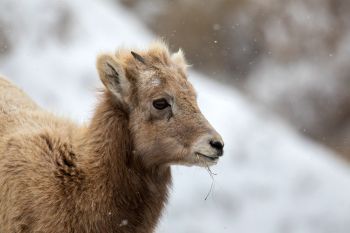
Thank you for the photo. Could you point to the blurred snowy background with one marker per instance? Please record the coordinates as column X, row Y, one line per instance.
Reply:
column 274, row 79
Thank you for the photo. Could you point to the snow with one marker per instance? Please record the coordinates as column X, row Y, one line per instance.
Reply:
column 270, row 179
column 123, row 223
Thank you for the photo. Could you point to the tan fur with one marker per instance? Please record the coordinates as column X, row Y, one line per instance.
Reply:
column 114, row 174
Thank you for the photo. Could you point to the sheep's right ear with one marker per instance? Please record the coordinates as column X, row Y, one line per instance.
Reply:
column 112, row 75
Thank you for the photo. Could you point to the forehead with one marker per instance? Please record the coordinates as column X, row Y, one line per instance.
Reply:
column 167, row 79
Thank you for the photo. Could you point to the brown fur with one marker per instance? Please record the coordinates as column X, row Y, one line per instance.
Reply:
column 112, row 175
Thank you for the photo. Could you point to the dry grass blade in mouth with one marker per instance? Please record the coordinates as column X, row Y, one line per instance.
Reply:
column 212, row 181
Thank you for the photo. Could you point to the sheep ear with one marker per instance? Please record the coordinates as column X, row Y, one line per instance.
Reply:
column 179, row 59
column 112, row 75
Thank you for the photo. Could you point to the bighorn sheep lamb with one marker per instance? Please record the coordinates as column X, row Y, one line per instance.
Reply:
column 112, row 175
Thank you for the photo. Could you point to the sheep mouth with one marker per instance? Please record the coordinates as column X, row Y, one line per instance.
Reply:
column 207, row 157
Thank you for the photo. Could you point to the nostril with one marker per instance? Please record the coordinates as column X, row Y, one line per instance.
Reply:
column 217, row 145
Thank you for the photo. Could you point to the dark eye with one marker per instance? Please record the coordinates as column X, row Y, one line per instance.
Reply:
column 160, row 104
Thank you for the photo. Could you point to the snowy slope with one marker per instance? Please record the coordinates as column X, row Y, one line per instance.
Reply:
column 270, row 179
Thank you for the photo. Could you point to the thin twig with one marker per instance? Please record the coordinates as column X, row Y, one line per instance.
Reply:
column 212, row 182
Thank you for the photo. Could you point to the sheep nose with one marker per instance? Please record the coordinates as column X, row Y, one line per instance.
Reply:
column 218, row 145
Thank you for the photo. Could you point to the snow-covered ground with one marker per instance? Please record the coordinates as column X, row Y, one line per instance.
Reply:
column 270, row 180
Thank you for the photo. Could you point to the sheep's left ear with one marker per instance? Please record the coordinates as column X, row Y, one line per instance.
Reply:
column 180, row 61
column 113, row 77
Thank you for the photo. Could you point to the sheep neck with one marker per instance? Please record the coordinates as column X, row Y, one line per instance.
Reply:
column 121, row 190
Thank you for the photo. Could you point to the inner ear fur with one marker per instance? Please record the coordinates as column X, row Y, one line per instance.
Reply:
column 112, row 75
